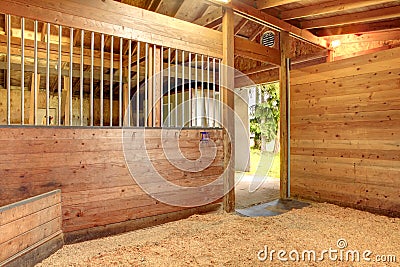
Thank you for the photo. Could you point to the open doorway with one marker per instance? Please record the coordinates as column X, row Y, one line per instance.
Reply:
column 260, row 183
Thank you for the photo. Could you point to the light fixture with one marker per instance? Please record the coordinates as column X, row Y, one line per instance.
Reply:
column 223, row 1
column 335, row 43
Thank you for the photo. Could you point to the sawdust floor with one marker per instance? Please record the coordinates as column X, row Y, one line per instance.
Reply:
column 229, row 240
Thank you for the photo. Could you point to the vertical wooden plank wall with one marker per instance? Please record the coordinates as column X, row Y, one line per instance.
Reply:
column 89, row 167
column 30, row 230
column 345, row 132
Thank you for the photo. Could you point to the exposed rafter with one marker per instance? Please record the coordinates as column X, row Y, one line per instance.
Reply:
column 210, row 16
column 328, row 7
column 367, row 37
column 372, row 15
column 256, row 51
column 242, row 23
column 259, row 30
column 359, row 28
column 261, row 17
column 264, row 4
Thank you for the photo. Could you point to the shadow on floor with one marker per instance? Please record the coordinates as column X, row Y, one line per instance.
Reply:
column 272, row 208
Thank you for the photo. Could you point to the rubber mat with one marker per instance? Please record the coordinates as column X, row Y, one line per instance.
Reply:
column 272, row 208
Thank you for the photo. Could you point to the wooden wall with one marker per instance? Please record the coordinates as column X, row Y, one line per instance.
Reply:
column 30, row 230
column 345, row 132
column 89, row 167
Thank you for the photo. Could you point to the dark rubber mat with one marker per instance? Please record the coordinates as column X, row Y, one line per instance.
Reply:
column 272, row 208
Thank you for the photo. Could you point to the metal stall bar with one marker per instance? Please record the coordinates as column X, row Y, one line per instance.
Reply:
column 35, row 72
column 162, row 86
column 111, row 81
column 146, row 85
column 183, row 88
column 59, row 70
column 208, row 112
column 129, row 81
column 8, row 26
column 71, row 52
column 190, row 91
column 81, row 77
column 195, row 88
column 220, row 91
column 214, row 91
column 153, row 108
column 176, row 86
column 138, row 85
column 92, row 80
column 48, row 75
column 121, row 70
column 22, row 70
column 202, row 90
column 169, row 87
column 102, row 80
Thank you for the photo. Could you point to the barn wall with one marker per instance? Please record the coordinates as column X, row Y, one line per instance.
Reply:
column 345, row 132
column 30, row 230
column 89, row 167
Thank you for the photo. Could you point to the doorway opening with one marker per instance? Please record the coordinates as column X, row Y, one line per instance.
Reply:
column 260, row 182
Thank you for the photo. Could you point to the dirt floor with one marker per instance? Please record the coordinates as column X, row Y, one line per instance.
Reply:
column 229, row 240
column 252, row 190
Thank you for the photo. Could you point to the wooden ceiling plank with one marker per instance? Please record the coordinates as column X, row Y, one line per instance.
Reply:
column 256, row 51
column 120, row 20
column 360, row 28
column 365, row 16
column 259, row 30
column 210, row 16
column 366, row 37
column 242, row 23
column 328, row 7
column 248, row 11
column 264, row 4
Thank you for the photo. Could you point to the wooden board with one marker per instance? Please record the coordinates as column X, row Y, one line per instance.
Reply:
column 27, row 225
column 113, row 18
column 89, row 166
column 345, row 125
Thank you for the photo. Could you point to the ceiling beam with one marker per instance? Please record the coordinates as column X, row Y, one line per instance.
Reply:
column 263, row 18
column 359, row 28
column 259, row 30
column 371, row 15
column 209, row 17
column 256, row 51
column 264, row 4
column 242, row 23
column 366, row 37
column 328, row 7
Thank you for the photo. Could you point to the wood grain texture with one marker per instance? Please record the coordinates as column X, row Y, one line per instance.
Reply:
column 113, row 18
column 89, row 166
column 28, row 224
column 345, row 125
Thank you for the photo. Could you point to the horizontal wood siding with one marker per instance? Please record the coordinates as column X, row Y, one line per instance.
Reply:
column 27, row 225
column 89, row 167
column 345, row 132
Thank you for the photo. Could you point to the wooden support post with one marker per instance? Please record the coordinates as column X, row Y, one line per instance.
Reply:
column 331, row 55
column 67, row 99
column 285, row 50
column 32, row 105
column 228, row 116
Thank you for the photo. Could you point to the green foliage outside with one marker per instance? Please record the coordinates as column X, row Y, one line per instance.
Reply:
column 265, row 120
column 264, row 124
